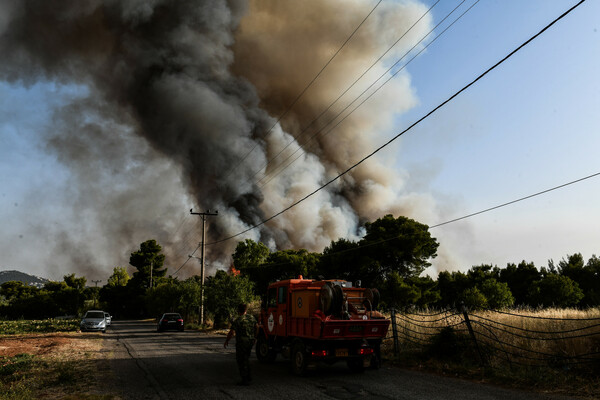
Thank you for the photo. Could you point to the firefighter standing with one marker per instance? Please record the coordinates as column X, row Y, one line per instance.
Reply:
column 245, row 328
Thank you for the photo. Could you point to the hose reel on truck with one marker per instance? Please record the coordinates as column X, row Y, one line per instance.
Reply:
column 331, row 298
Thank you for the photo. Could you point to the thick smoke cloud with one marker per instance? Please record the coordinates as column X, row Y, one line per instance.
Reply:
column 175, row 94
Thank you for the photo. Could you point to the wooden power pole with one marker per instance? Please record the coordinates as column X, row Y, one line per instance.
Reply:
column 203, row 215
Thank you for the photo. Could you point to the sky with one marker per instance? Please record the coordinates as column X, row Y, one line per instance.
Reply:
column 530, row 125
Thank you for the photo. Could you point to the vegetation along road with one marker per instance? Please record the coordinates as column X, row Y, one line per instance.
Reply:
column 146, row 364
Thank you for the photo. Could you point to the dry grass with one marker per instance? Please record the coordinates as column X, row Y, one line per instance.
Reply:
column 554, row 350
column 51, row 366
column 573, row 336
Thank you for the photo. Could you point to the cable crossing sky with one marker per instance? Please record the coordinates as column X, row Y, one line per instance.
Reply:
column 532, row 38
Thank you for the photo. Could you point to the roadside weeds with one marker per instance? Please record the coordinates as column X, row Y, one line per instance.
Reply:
column 63, row 365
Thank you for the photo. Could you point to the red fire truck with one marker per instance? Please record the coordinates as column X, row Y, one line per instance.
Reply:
column 310, row 321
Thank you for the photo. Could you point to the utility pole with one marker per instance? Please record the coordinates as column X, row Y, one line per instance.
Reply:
column 151, row 268
column 203, row 215
column 95, row 299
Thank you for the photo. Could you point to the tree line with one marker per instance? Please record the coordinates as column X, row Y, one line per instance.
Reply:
column 391, row 256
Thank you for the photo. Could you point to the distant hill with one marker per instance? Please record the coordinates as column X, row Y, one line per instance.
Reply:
column 27, row 279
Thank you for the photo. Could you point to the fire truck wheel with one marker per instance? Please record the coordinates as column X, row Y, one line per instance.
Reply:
column 264, row 354
column 298, row 358
column 356, row 364
column 376, row 360
column 376, row 357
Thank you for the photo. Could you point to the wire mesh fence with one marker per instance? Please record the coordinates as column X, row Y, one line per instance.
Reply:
column 557, row 338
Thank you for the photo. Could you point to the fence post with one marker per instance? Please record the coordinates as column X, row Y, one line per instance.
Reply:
column 472, row 333
column 395, row 333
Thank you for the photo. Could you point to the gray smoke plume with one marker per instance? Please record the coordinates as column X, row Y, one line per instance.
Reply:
column 174, row 94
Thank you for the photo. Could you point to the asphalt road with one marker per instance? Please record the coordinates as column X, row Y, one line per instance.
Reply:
column 146, row 364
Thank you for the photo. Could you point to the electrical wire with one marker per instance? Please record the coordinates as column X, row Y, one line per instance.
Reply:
column 452, row 97
column 364, row 246
column 186, row 261
column 295, row 101
column 517, row 200
column 305, row 89
column 274, row 174
column 186, row 244
column 305, row 129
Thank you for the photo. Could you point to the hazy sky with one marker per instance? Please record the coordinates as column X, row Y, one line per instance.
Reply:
column 530, row 125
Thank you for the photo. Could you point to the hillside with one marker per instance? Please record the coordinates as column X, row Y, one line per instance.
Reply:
column 27, row 279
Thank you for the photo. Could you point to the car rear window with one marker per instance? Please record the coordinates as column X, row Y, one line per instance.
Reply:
column 95, row 314
column 172, row 317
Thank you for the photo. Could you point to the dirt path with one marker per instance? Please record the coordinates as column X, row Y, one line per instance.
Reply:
column 66, row 346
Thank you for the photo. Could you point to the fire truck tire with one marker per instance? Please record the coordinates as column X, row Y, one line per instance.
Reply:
column 376, row 359
column 264, row 354
column 356, row 365
column 376, row 356
column 299, row 359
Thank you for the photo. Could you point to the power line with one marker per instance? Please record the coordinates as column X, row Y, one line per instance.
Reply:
column 309, row 85
column 304, row 130
column 515, row 201
column 186, row 261
column 477, row 213
column 203, row 216
column 185, row 244
column 352, row 85
column 305, row 89
column 363, row 246
column 407, row 129
column 185, row 240
column 373, row 84
column 180, row 224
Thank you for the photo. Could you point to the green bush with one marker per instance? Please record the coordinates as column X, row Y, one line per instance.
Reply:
column 38, row 326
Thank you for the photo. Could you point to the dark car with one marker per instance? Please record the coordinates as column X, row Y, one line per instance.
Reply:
column 170, row 321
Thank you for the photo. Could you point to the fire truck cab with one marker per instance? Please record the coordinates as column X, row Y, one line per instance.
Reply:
column 310, row 321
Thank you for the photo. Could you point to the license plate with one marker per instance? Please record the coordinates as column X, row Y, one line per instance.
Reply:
column 341, row 352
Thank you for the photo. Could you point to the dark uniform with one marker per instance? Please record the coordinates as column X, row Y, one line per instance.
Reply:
column 244, row 327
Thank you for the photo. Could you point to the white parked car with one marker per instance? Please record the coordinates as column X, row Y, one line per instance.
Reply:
column 93, row 321
column 108, row 318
